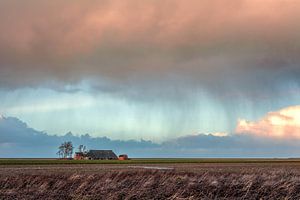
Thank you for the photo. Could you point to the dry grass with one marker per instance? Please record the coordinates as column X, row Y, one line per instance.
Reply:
column 184, row 181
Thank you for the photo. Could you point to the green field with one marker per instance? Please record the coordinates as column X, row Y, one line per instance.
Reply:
column 144, row 161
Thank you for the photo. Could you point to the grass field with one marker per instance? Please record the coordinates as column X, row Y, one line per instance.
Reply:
column 150, row 179
column 30, row 161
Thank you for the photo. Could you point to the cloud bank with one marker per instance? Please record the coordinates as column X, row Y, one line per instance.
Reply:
column 19, row 140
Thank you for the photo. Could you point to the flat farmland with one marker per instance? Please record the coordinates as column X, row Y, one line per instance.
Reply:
column 150, row 179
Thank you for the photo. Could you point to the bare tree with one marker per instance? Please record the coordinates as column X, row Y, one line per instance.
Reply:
column 61, row 151
column 65, row 150
column 81, row 148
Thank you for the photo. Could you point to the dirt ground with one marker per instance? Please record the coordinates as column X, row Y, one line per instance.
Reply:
column 152, row 181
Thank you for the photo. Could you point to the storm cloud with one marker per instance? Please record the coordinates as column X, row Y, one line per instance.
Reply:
column 205, row 43
column 155, row 69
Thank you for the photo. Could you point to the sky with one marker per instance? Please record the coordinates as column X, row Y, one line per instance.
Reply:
column 152, row 70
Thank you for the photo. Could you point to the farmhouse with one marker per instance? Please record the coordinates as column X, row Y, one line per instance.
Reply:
column 96, row 155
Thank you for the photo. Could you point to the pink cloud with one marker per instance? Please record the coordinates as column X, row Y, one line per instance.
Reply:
column 71, row 27
column 282, row 124
column 73, row 40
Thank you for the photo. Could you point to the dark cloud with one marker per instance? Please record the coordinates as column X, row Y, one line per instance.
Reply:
column 18, row 140
column 189, row 61
column 216, row 45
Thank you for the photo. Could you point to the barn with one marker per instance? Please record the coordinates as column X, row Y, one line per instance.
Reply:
column 101, row 155
column 96, row 155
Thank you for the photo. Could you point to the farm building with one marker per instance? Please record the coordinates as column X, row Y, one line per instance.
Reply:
column 96, row 155
column 79, row 156
column 123, row 157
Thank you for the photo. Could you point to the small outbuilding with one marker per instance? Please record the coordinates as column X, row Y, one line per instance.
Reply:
column 79, row 156
column 123, row 157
